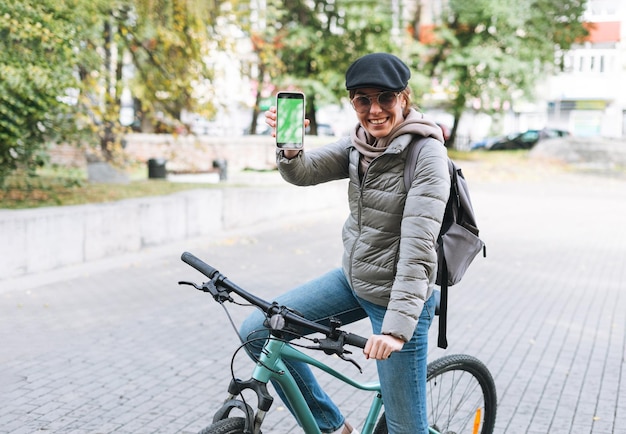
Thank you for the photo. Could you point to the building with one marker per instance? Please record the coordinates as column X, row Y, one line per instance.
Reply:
column 588, row 98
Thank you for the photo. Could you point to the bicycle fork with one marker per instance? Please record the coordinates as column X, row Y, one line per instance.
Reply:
column 271, row 366
column 253, row 419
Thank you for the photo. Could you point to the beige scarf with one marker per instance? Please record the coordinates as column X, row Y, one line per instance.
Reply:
column 370, row 147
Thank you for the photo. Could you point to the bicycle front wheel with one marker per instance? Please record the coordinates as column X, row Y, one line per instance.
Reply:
column 232, row 425
column 461, row 396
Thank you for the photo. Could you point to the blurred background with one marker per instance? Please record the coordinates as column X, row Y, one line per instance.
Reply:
column 81, row 79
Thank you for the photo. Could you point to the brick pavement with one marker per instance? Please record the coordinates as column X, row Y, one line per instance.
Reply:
column 118, row 347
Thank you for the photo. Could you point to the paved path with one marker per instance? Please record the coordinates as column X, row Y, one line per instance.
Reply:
column 118, row 347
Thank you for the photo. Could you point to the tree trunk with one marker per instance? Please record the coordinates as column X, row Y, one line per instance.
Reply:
column 310, row 114
column 256, row 110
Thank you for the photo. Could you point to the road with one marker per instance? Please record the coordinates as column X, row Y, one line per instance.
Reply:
column 117, row 346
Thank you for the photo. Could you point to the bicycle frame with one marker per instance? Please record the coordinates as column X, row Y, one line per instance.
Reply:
column 271, row 366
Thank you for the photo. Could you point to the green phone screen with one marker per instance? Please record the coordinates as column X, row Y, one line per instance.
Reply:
column 290, row 118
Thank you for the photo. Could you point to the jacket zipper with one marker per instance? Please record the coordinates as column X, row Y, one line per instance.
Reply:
column 360, row 212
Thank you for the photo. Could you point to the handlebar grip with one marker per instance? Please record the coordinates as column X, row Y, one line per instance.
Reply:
column 355, row 340
column 199, row 265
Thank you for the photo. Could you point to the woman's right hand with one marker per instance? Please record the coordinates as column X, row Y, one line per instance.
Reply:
column 380, row 347
column 270, row 119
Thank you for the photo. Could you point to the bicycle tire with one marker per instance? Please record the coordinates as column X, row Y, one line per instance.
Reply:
column 231, row 425
column 453, row 396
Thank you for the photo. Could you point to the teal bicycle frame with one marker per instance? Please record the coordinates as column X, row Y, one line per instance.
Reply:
column 272, row 367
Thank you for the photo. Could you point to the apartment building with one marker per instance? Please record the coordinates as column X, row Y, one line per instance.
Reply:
column 589, row 97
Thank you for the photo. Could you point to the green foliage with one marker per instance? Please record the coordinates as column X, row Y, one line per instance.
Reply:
column 169, row 41
column 494, row 51
column 37, row 55
column 61, row 62
column 559, row 23
column 313, row 43
column 61, row 69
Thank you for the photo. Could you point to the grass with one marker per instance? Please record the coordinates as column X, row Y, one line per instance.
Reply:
column 62, row 186
column 57, row 186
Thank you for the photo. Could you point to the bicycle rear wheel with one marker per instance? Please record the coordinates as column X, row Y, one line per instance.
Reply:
column 232, row 425
column 461, row 395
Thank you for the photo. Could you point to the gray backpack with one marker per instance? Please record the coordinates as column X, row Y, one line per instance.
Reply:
column 458, row 242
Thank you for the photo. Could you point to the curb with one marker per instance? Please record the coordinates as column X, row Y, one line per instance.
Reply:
column 45, row 239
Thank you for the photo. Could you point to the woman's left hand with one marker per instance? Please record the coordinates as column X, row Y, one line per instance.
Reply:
column 380, row 347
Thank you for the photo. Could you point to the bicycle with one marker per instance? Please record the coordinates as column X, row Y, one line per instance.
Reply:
column 461, row 391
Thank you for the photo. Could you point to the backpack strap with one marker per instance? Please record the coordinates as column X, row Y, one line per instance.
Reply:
column 442, row 268
column 415, row 147
column 442, row 340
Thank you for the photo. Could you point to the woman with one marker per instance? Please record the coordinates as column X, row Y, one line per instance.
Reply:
column 389, row 260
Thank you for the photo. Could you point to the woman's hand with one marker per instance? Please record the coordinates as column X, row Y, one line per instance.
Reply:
column 380, row 347
column 270, row 119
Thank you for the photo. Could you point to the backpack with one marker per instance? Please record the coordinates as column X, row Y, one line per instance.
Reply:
column 458, row 242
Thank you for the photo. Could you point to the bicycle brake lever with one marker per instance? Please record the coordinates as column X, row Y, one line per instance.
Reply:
column 348, row 359
column 184, row 282
column 219, row 295
column 331, row 346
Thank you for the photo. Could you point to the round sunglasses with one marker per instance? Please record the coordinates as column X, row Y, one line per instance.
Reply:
column 386, row 100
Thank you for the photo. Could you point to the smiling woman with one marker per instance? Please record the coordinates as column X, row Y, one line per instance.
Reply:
column 387, row 273
column 379, row 111
column 376, row 82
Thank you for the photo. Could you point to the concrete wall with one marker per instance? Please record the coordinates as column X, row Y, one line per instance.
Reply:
column 190, row 153
column 43, row 239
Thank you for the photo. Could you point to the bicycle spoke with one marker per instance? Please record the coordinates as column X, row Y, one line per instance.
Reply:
column 456, row 402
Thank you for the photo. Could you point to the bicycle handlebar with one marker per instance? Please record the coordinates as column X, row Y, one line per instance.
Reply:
column 290, row 317
column 198, row 264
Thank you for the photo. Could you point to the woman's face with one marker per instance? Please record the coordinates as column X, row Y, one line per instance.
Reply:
column 380, row 118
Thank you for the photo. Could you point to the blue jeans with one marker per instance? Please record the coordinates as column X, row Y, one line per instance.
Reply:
column 402, row 376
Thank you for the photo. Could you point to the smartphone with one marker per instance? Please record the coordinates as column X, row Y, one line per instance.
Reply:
column 290, row 120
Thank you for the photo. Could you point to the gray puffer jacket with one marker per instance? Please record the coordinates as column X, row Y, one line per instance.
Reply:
column 389, row 237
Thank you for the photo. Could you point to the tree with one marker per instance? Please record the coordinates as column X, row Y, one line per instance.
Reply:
column 61, row 69
column 493, row 51
column 263, row 37
column 315, row 42
column 169, row 42
column 38, row 55
column 99, row 70
column 163, row 46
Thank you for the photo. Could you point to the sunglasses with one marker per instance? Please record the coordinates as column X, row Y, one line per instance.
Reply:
column 386, row 100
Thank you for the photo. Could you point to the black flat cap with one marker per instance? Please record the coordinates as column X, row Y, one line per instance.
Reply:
column 379, row 70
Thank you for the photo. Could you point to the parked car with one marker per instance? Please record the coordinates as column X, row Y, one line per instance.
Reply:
column 526, row 140
column 484, row 143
